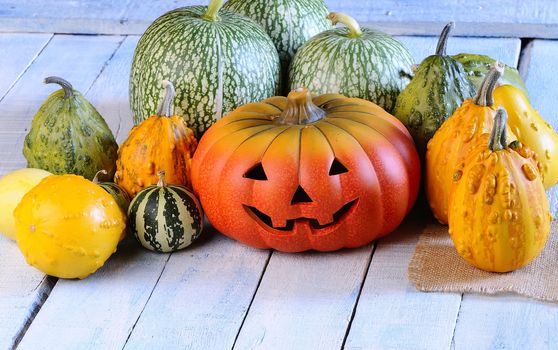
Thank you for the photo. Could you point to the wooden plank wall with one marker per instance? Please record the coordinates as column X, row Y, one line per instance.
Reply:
column 503, row 18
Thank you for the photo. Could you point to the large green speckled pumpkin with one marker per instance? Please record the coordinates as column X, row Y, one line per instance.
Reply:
column 69, row 136
column 355, row 62
column 288, row 23
column 216, row 59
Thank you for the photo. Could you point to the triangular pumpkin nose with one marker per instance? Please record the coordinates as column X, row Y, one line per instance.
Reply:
column 300, row 196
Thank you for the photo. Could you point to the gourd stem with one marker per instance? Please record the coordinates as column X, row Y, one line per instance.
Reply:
column 443, row 40
column 484, row 95
column 212, row 13
column 68, row 89
column 498, row 136
column 96, row 177
column 165, row 106
column 348, row 21
column 161, row 182
column 300, row 109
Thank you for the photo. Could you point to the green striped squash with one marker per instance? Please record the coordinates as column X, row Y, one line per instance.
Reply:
column 289, row 23
column 438, row 87
column 121, row 197
column 365, row 63
column 165, row 218
column 217, row 61
column 477, row 66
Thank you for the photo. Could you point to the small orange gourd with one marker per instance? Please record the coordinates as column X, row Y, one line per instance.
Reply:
column 161, row 142
column 456, row 138
column 499, row 216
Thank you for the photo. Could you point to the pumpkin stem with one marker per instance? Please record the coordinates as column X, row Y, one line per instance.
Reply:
column 443, row 40
column 161, row 182
column 68, row 89
column 165, row 106
column 300, row 109
column 212, row 13
column 96, row 177
column 484, row 95
column 348, row 21
column 498, row 136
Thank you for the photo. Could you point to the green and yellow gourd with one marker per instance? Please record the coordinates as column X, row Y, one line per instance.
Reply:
column 438, row 88
column 120, row 195
column 288, row 23
column 477, row 66
column 216, row 59
column 355, row 62
column 69, row 136
column 165, row 218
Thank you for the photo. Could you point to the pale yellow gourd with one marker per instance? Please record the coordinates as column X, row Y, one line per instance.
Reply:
column 68, row 226
column 531, row 129
column 13, row 186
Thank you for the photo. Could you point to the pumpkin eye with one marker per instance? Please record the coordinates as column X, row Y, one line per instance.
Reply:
column 337, row 168
column 257, row 172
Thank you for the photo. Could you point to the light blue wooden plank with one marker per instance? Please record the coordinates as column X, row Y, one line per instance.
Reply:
column 506, row 322
column 305, row 301
column 503, row 49
column 202, row 297
column 543, row 91
column 19, row 52
column 512, row 18
column 79, row 59
column 391, row 314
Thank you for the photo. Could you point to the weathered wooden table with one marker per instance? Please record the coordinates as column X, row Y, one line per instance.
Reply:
column 220, row 294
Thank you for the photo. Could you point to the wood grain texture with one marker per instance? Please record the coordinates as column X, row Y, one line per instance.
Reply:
column 542, row 71
column 305, row 301
column 22, row 288
column 503, row 49
column 109, row 94
column 506, row 322
column 391, row 314
column 98, row 312
column 78, row 59
column 23, row 50
column 22, row 291
column 508, row 18
column 202, row 296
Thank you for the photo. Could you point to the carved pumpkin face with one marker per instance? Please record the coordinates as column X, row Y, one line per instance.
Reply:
column 295, row 174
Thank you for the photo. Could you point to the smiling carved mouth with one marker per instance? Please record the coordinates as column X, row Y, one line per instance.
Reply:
column 266, row 220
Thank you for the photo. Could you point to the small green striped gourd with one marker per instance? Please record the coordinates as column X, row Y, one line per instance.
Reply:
column 288, row 23
column 355, row 62
column 165, row 218
column 216, row 59
column 69, row 136
column 477, row 66
column 438, row 88
column 121, row 197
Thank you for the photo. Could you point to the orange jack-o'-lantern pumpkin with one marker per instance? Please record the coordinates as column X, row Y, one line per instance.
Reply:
column 298, row 173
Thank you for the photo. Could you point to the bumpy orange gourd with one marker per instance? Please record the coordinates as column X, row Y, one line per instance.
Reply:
column 455, row 139
column 499, row 216
column 161, row 142
column 531, row 129
column 298, row 173
column 67, row 226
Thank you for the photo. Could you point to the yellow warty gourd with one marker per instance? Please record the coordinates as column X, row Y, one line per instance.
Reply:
column 499, row 216
column 531, row 129
column 13, row 186
column 68, row 226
